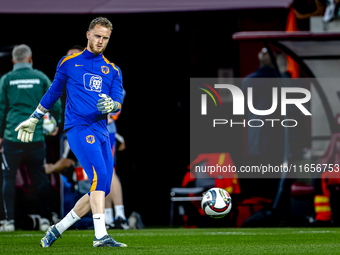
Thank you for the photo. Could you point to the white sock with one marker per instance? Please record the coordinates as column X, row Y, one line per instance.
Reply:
column 119, row 212
column 67, row 221
column 99, row 225
column 108, row 215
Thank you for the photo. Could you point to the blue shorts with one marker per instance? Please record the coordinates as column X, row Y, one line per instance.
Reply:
column 93, row 151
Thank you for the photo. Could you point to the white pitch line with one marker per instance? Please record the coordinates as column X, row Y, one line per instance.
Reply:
column 238, row 233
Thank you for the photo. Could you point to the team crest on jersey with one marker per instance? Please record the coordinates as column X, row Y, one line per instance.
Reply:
column 90, row 139
column 105, row 69
column 93, row 82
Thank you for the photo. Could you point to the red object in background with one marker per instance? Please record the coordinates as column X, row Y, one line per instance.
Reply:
column 292, row 66
column 225, row 180
column 248, row 207
column 301, row 190
column 81, row 175
column 330, row 159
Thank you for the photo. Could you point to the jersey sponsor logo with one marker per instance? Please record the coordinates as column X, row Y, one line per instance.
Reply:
column 105, row 69
column 90, row 139
column 25, row 86
column 78, row 65
column 93, row 82
column 24, row 83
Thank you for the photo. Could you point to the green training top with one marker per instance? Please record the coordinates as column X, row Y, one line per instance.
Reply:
column 20, row 93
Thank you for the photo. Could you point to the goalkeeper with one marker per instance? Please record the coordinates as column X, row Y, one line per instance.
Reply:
column 94, row 88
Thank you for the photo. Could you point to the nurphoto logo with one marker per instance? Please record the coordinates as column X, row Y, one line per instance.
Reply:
column 238, row 104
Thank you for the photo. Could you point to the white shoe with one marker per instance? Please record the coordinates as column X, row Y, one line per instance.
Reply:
column 55, row 218
column 135, row 221
column 107, row 241
column 119, row 223
column 7, row 226
column 39, row 223
column 44, row 224
column 35, row 220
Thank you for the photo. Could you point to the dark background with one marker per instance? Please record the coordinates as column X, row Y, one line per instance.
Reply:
column 157, row 61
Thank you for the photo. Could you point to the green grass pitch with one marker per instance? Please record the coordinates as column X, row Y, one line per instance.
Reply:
column 183, row 241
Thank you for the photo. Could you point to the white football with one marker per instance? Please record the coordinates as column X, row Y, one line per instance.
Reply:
column 49, row 124
column 216, row 203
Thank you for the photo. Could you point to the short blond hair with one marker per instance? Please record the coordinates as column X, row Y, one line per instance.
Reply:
column 102, row 21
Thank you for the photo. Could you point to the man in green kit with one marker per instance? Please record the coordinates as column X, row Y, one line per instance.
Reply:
column 20, row 91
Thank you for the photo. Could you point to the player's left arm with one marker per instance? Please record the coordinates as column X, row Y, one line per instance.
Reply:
column 112, row 103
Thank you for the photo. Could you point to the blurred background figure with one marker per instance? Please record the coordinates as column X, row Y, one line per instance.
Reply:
column 75, row 49
column 115, row 198
column 20, row 90
column 265, row 143
column 305, row 9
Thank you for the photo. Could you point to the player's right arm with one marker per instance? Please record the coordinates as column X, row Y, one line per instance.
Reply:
column 26, row 128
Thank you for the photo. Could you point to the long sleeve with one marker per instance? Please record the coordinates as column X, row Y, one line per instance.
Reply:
column 56, row 110
column 116, row 92
column 3, row 106
column 54, row 92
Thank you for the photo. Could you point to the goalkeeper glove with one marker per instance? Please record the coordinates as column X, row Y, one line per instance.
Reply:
column 106, row 104
column 26, row 129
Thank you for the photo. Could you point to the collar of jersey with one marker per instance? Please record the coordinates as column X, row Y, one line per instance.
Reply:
column 89, row 54
column 21, row 66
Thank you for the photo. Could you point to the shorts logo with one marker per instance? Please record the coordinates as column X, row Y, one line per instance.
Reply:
column 105, row 69
column 93, row 82
column 90, row 139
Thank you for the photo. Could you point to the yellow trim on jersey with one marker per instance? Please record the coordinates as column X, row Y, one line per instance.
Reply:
column 113, row 65
column 221, row 159
column 323, row 209
column 229, row 189
column 70, row 56
column 94, row 181
column 321, row 199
